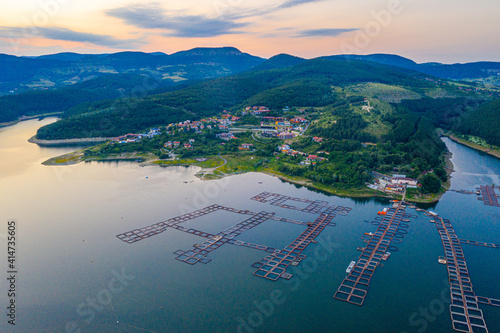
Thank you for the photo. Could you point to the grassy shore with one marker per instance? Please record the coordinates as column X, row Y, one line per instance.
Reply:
column 217, row 167
column 488, row 150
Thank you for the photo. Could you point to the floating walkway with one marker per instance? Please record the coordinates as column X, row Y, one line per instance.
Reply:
column 488, row 301
column 393, row 225
column 463, row 192
column 472, row 242
column 488, row 196
column 291, row 255
column 315, row 207
column 273, row 267
column 155, row 229
column 199, row 253
column 465, row 313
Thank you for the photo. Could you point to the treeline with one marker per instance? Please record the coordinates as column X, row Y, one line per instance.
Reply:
column 442, row 112
column 38, row 102
column 483, row 122
column 112, row 122
column 306, row 84
column 299, row 93
column 61, row 100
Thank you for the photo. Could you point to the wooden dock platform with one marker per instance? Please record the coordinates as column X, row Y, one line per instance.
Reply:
column 354, row 287
column 273, row 266
column 488, row 195
column 465, row 313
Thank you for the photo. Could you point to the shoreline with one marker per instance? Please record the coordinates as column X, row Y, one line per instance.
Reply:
column 489, row 151
column 77, row 157
column 66, row 142
column 44, row 115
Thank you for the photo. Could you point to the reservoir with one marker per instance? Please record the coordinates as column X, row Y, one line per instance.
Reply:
column 75, row 275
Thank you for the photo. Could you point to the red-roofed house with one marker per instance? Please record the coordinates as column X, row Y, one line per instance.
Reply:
column 317, row 139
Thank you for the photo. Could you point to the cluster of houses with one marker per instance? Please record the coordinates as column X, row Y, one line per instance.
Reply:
column 256, row 110
column 176, row 144
column 279, row 127
column 129, row 138
column 221, row 123
column 283, row 128
column 285, row 149
column 226, row 136
column 395, row 184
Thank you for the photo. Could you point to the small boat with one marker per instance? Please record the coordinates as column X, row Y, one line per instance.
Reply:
column 369, row 233
column 442, row 260
column 386, row 255
column 384, row 211
column 350, row 267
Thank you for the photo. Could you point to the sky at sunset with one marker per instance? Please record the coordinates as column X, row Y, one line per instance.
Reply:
column 447, row 31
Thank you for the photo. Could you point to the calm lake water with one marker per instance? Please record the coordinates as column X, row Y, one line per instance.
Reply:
column 74, row 275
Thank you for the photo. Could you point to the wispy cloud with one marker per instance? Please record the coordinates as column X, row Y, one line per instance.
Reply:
column 64, row 34
column 238, row 14
column 323, row 32
column 294, row 3
column 175, row 24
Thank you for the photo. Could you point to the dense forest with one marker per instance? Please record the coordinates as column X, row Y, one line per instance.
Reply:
column 483, row 122
column 110, row 86
column 306, row 84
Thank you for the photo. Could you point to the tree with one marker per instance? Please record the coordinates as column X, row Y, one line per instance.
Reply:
column 430, row 183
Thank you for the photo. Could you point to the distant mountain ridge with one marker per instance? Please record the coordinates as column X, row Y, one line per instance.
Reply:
column 473, row 70
column 20, row 74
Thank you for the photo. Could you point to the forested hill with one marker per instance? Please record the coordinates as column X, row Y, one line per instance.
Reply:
column 483, row 122
column 473, row 70
column 59, row 100
column 307, row 84
column 21, row 74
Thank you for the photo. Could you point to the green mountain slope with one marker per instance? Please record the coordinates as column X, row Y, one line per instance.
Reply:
column 110, row 86
column 308, row 83
column 483, row 122
column 21, row 74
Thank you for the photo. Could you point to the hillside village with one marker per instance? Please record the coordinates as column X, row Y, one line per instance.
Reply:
column 293, row 143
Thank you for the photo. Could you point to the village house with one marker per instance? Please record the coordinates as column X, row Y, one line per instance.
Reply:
column 245, row 146
column 298, row 120
column 409, row 182
column 286, row 135
column 317, row 139
column 226, row 136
